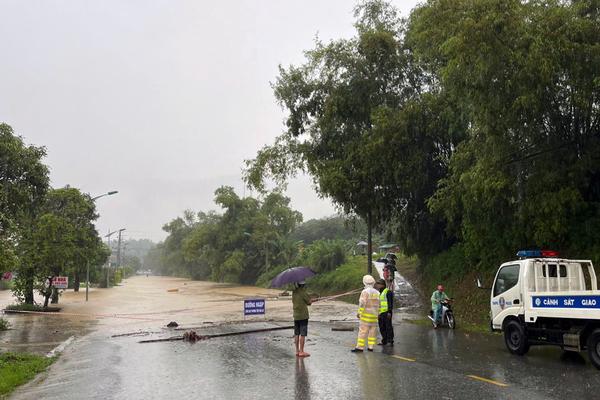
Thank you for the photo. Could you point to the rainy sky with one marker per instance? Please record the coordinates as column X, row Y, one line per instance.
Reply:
column 160, row 100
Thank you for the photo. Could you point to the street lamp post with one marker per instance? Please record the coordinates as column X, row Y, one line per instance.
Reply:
column 105, row 194
column 87, row 273
column 108, row 264
column 119, row 249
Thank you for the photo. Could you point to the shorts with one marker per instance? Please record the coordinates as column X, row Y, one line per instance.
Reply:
column 300, row 327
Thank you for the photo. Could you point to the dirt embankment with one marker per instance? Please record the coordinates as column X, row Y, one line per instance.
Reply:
column 471, row 305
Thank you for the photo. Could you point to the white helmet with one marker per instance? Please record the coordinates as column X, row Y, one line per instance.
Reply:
column 368, row 280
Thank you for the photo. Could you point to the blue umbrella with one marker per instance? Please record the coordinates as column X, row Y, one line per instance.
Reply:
column 292, row 275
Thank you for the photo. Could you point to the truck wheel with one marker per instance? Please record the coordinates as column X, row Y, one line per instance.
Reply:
column 593, row 345
column 515, row 338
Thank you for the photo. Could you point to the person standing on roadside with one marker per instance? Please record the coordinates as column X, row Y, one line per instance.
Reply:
column 386, row 304
column 300, row 302
column 368, row 309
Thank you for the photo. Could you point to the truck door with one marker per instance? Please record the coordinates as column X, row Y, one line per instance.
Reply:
column 506, row 293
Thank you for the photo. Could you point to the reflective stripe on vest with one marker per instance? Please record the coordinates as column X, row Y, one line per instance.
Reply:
column 368, row 318
column 383, row 303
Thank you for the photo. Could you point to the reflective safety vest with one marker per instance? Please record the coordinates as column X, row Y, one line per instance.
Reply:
column 383, row 303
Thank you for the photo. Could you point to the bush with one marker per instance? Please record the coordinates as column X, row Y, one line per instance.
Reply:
column 128, row 272
column 116, row 277
column 264, row 280
column 323, row 255
column 6, row 285
column 4, row 324
column 345, row 278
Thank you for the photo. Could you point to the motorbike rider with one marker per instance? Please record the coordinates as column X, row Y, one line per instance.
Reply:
column 437, row 298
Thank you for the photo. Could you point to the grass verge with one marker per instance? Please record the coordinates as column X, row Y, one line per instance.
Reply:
column 17, row 369
column 30, row 307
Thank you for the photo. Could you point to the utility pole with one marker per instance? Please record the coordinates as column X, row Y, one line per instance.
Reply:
column 87, row 280
column 108, row 262
column 87, row 274
column 119, row 249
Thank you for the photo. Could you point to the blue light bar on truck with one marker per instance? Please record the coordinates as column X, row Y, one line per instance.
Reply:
column 537, row 253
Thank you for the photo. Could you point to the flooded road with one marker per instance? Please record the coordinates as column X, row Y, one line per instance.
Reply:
column 423, row 364
column 145, row 303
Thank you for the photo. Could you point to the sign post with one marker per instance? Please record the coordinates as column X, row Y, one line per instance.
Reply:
column 60, row 282
column 254, row 307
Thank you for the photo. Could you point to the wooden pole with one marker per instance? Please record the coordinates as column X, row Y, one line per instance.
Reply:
column 176, row 338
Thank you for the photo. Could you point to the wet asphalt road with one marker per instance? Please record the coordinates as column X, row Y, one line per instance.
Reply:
column 423, row 364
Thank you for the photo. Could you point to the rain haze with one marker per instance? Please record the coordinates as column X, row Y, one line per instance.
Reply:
column 160, row 100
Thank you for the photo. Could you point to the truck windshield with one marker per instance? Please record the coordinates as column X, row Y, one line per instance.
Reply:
column 507, row 278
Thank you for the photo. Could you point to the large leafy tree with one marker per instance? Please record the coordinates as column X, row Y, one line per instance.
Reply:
column 61, row 240
column 526, row 76
column 23, row 185
column 235, row 246
column 370, row 128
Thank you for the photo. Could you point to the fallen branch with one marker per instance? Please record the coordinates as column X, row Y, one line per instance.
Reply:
column 342, row 328
column 189, row 335
column 133, row 334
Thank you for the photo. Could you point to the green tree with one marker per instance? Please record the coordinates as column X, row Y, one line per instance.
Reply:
column 526, row 76
column 330, row 228
column 23, row 185
column 60, row 241
column 236, row 246
column 368, row 126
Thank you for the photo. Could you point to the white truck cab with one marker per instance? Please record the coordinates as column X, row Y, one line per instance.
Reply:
column 544, row 299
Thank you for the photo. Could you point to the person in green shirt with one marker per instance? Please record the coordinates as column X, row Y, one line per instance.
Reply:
column 436, row 304
column 300, row 301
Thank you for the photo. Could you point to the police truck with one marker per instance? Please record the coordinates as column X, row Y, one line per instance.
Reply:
column 542, row 299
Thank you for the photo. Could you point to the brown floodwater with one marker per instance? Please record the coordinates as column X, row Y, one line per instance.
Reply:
column 147, row 304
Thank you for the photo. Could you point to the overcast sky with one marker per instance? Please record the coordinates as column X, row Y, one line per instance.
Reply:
column 160, row 100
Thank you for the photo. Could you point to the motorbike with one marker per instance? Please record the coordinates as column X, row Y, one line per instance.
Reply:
column 447, row 315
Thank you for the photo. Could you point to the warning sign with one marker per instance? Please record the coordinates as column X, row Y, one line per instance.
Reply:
column 254, row 307
column 60, row 282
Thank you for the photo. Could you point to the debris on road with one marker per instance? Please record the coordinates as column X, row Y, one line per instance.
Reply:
column 187, row 336
column 192, row 336
column 342, row 328
column 172, row 324
column 138, row 333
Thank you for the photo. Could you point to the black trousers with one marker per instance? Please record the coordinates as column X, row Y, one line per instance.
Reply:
column 386, row 328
